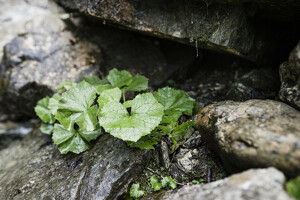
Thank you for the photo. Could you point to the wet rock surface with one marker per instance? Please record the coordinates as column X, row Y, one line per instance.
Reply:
column 34, row 169
column 260, row 184
column 255, row 133
column 290, row 79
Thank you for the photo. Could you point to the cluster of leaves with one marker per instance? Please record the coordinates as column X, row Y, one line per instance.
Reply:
column 136, row 193
column 76, row 113
column 293, row 188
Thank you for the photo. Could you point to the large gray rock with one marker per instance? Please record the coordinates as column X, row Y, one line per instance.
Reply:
column 20, row 16
column 255, row 133
column 34, row 63
column 210, row 24
column 258, row 184
column 290, row 79
column 33, row 168
column 219, row 27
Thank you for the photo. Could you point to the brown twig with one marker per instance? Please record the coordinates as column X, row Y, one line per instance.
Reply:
column 151, row 170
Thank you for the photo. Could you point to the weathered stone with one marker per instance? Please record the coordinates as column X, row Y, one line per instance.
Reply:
column 33, row 168
column 217, row 26
column 222, row 28
column 36, row 62
column 259, row 184
column 290, row 79
column 20, row 16
column 255, row 133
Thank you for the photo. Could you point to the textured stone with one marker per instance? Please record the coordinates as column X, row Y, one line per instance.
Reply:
column 20, row 16
column 255, row 133
column 222, row 28
column 33, row 168
column 258, row 184
column 290, row 79
column 35, row 62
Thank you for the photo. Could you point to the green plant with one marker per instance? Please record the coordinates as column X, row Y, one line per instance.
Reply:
column 135, row 191
column 77, row 113
column 293, row 188
column 166, row 181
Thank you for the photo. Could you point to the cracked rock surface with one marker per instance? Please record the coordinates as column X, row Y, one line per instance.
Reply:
column 33, row 168
column 36, row 61
column 259, row 184
column 290, row 79
column 255, row 133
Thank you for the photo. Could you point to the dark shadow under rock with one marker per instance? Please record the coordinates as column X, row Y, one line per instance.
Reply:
column 10, row 131
column 154, row 58
column 216, row 77
column 34, row 169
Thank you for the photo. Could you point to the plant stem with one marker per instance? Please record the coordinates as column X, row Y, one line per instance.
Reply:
column 124, row 97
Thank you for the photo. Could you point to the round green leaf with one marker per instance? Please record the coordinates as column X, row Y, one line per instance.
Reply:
column 146, row 114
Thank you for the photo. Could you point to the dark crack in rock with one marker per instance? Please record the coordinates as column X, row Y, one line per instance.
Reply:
column 10, row 131
column 34, row 169
column 256, row 84
column 255, row 133
column 258, row 184
column 154, row 58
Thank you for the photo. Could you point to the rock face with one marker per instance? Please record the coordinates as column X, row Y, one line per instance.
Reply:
column 35, row 62
column 20, row 16
column 290, row 79
column 34, row 169
column 207, row 24
column 222, row 28
column 259, row 184
column 255, row 133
